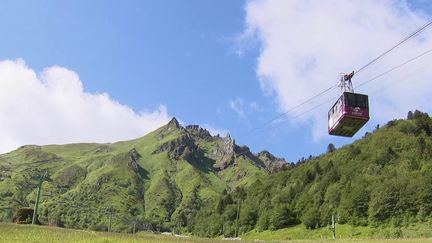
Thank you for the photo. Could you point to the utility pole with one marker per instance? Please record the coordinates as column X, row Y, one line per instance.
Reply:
column 110, row 218
column 36, row 207
column 134, row 228
column 237, row 218
column 333, row 226
column 111, row 211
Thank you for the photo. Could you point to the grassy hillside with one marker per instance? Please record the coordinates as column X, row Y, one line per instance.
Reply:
column 186, row 180
column 345, row 232
column 35, row 234
column 159, row 181
column 381, row 180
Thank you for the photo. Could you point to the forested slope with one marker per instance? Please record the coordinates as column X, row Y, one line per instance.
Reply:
column 157, row 181
column 385, row 178
column 183, row 178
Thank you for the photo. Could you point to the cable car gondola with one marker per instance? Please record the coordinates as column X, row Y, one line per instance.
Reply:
column 350, row 112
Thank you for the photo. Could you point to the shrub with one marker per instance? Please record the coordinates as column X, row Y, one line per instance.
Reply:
column 311, row 218
column 24, row 216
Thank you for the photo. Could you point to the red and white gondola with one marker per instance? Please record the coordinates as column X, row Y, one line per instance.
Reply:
column 350, row 112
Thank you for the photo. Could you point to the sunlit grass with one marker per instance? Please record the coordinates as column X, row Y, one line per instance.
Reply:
column 29, row 233
column 411, row 233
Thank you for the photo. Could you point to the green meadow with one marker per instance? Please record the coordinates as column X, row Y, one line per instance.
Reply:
column 29, row 233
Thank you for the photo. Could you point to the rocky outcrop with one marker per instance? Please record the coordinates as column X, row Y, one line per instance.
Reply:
column 180, row 148
column 99, row 182
column 173, row 123
column 168, row 128
column 224, row 152
column 222, row 155
column 272, row 163
column 228, row 145
column 132, row 163
column 198, row 131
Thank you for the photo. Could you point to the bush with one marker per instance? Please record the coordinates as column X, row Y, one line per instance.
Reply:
column 407, row 128
column 99, row 228
column 281, row 217
column 24, row 216
column 311, row 218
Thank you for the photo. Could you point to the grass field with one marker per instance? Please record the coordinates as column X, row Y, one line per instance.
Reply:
column 28, row 233
column 345, row 232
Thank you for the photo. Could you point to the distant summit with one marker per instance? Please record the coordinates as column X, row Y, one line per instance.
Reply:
column 174, row 123
column 166, row 176
column 199, row 131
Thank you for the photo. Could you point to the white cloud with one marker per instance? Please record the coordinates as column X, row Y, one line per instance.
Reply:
column 306, row 43
column 53, row 108
column 237, row 105
column 255, row 107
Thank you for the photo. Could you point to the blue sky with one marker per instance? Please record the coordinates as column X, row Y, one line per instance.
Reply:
column 204, row 61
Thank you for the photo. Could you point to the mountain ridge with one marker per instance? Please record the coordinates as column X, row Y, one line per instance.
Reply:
column 159, row 177
column 180, row 177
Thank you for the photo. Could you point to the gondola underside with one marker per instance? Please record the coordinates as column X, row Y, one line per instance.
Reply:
column 348, row 126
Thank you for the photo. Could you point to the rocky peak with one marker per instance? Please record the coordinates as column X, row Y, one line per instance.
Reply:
column 168, row 128
column 199, row 131
column 176, row 148
column 228, row 144
column 271, row 162
column 242, row 150
column 173, row 123
column 225, row 152
column 266, row 154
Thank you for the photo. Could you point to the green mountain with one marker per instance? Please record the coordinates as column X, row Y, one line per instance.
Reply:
column 381, row 180
column 185, row 179
column 160, row 180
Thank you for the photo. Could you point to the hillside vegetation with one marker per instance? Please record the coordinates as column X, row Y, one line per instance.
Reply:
column 381, row 180
column 28, row 233
column 156, row 182
column 187, row 180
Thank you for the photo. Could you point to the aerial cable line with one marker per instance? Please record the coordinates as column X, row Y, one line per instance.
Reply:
column 396, row 67
column 402, row 79
column 409, row 37
column 290, row 110
column 327, row 101
column 297, row 116
column 368, row 81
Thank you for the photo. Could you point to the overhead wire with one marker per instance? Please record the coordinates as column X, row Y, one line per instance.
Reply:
column 297, row 116
column 377, row 77
column 428, row 66
column 394, row 68
column 369, row 80
column 409, row 37
column 362, row 84
column 289, row 111
column 374, row 92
